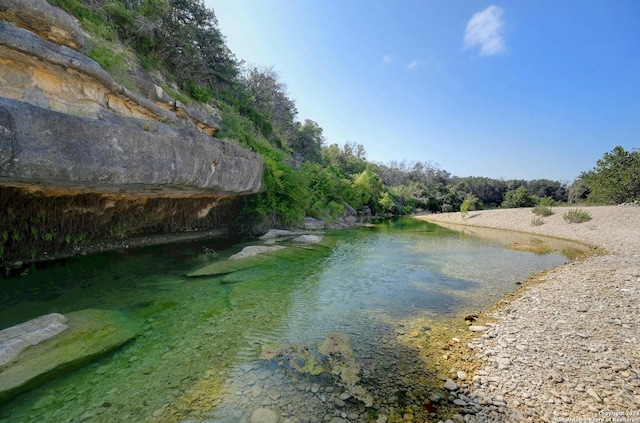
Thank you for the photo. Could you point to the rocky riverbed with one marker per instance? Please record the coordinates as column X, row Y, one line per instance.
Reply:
column 566, row 346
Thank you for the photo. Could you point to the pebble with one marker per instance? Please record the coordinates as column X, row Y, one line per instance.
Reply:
column 475, row 328
column 450, row 385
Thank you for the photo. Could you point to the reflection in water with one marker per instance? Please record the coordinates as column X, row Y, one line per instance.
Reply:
column 217, row 349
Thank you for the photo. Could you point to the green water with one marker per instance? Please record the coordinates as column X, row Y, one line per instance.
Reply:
column 206, row 351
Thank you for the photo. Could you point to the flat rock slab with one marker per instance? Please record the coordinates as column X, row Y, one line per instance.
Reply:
column 229, row 266
column 254, row 250
column 91, row 333
column 250, row 256
column 307, row 239
column 17, row 338
column 281, row 233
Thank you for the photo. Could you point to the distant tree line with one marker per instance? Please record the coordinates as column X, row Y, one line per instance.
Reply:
column 305, row 174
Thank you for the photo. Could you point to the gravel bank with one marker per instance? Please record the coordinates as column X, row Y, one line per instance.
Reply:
column 566, row 349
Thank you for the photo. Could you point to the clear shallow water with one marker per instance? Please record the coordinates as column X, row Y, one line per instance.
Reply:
column 218, row 348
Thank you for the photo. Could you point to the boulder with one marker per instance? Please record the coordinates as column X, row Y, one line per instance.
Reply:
column 47, row 21
column 91, row 333
column 311, row 224
column 307, row 239
column 280, row 233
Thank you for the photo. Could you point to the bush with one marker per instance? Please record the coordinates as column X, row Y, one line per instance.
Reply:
column 537, row 221
column 518, row 198
column 542, row 210
column 576, row 216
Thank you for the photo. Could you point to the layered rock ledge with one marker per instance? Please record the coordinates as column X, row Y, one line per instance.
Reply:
column 44, row 147
column 568, row 347
column 65, row 122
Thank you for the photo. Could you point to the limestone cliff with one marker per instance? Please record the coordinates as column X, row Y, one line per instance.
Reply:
column 68, row 129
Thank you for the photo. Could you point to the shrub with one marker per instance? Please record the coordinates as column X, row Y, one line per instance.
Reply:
column 576, row 216
column 537, row 221
column 469, row 203
column 542, row 210
column 464, row 208
column 518, row 198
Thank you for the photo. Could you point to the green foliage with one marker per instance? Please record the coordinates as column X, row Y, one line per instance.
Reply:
column 616, row 177
column 112, row 62
column 543, row 208
column 386, row 202
column 236, row 127
column 282, row 202
column 547, row 188
column 201, row 94
column 92, row 19
column 329, row 189
column 576, row 216
column 464, row 208
column 469, row 203
column 308, row 141
column 578, row 191
column 349, row 159
column 368, row 189
column 519, row 197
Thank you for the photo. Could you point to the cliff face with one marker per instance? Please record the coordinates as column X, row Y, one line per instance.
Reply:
column 68, row 129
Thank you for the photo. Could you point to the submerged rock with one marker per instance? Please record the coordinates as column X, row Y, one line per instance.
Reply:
column 254, row 250
column 17, row 338
column 91, row 333
column 264, row 415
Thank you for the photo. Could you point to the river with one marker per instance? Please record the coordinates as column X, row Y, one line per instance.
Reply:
column 308, row 336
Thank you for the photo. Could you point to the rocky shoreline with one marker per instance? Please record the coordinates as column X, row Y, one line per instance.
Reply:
column 565, row 349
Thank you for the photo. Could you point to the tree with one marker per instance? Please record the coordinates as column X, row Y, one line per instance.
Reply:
column 518, row 198
column 386, row 202
column 547, row 188
column 368, row 188
column 180, row 37
column 616, row 177
column 579, row 190
column 269, row 100
column 350, row 159
column 308, row 141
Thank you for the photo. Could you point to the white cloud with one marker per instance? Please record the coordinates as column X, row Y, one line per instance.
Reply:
column 484, row 30
column 387, row 59
column 412, row 65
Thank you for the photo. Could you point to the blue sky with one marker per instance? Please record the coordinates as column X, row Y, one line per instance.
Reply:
column 509, row 89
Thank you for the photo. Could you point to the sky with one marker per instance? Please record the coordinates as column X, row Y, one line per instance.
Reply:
column 502, row 89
